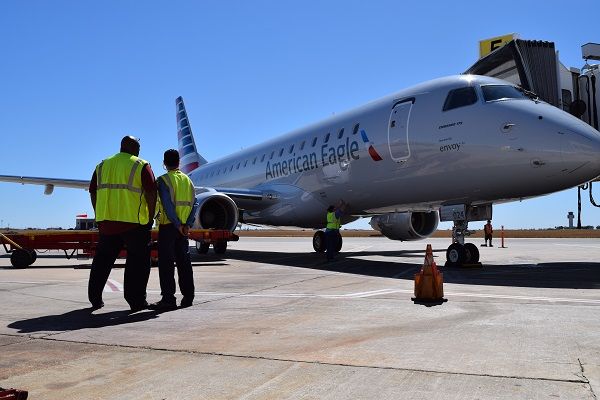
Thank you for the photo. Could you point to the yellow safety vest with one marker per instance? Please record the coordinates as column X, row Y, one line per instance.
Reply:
column 119, row 195
column 182, row 194
column 332, row 221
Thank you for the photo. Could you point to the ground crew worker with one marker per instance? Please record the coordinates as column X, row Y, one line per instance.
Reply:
column 123, row 194
column 332, row 230
column 178, row 207
column 487, row 230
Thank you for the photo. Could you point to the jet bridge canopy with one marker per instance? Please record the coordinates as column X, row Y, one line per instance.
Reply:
column 530, row 64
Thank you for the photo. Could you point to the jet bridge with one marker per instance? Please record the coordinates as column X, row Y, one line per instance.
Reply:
column 531, row 64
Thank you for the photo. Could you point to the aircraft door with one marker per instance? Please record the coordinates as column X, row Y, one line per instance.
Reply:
column 398, row 130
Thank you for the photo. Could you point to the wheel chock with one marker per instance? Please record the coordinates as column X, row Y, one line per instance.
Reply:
column 429, row 282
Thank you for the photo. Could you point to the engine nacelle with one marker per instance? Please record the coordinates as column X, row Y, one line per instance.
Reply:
column 406, row 225
column 216, row 211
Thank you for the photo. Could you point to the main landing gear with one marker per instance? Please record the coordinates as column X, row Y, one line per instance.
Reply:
column 220, row 247
column 460, row 253
column 319, row 242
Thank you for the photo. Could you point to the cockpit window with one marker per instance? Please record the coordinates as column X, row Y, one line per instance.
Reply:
column 501, row 92
column 460, row 98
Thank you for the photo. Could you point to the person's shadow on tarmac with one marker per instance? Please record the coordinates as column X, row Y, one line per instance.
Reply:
column 80, row 319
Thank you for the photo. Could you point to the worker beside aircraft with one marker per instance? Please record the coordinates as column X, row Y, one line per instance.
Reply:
column 178, row 208
column 488, row 231
column 332, row 230
column 123, row 194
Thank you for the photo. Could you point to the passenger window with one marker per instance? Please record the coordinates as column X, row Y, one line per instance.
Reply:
column 238, row 165
column 355, row 130
column 501, row 92
column 327, row 138
column 272, row 154
column 262, row 159
column 460, row 98
column 341, row 133
column 291, row 149
column 281, row 152
column 254, row 161
column 302, row 145
column 314, row 142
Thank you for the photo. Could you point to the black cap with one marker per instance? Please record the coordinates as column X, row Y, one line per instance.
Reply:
column 171, row 158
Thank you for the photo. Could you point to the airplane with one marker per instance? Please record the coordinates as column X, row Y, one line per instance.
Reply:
column 447, row 149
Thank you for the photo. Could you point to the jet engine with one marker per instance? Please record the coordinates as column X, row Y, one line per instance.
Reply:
column 406, row 225
column 216, row 211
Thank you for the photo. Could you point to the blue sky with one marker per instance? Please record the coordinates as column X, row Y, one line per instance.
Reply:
column 75, row 76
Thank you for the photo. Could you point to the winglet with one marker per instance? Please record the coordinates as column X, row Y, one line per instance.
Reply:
column 189, row 157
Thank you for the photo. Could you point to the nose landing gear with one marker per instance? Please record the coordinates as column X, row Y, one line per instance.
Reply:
column 460, row 253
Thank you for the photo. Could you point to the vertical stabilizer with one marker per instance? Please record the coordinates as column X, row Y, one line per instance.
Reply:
column 189, row 157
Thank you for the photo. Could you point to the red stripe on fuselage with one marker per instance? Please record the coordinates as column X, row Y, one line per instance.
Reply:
column 374, row 155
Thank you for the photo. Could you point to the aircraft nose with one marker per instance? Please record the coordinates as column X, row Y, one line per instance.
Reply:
column 581, row 149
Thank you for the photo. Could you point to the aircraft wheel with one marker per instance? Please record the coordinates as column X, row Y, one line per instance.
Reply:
column 20, row 258
column 319, row 241
column 32, row 255
column 472, row 254
column 202, row 247
column 220, row 247
column 456, row 255
column 338, row 248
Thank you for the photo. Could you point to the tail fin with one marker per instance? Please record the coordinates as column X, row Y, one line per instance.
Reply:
column 189, row 157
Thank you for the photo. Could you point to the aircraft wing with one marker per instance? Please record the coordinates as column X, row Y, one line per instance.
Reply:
column 50, row 183
column 249, row 199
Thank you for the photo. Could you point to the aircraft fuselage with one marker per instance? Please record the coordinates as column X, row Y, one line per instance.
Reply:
column 416, row 150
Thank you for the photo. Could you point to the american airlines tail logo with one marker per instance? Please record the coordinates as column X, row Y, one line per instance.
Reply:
column 372, row 152
column 187, row 148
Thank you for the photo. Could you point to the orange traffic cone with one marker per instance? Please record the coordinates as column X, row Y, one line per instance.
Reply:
column 429, row 282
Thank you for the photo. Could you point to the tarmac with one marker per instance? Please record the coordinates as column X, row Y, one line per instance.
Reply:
column 273, row 320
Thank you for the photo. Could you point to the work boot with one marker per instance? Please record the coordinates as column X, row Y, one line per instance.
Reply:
column 139, row 307
column 163, row 305
column 97, row 305
column 186, row 302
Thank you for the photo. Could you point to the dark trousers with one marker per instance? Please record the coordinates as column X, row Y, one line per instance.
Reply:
column 488, row 237
column 173, row 247
column 331, row 242
column 137, row 265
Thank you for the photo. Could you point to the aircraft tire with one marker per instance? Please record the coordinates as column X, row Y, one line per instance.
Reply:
column 220, row 247
column 319, row 242
column 202, row 247
column 32, row 255
column 20, row 258
column 472, row 254
column 456, row 255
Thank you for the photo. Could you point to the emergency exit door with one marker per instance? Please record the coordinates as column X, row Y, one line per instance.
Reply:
column 398, row 130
